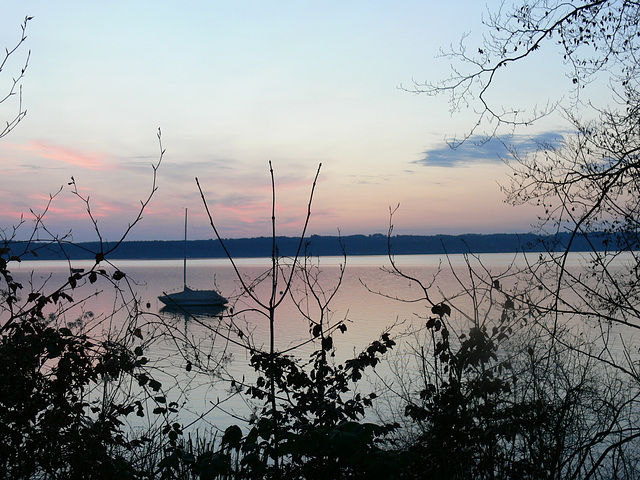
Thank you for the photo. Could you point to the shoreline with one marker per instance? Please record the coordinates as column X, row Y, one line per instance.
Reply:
column 315, row 245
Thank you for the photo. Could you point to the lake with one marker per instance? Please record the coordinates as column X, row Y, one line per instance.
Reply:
column 369, row 300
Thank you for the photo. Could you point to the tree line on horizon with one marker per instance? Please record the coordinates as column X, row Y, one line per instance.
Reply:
column 318, row 245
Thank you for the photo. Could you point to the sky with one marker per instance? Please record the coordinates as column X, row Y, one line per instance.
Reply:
column 234, row 86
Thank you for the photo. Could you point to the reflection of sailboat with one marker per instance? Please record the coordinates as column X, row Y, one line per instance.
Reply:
column 188, row 297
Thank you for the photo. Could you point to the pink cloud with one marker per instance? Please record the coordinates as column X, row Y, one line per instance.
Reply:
column 248, row 215
column 66, row 206
column 71, row 156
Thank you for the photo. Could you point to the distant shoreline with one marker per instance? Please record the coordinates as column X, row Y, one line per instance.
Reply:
column 315, row 245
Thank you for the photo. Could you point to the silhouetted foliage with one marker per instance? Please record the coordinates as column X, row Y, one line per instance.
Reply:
column 320, row 434
column 596, row 39
column 500, row 392
column 50, row 423
column 67, row 388
column 586, row 185
column 308, row 420
column 513, row 386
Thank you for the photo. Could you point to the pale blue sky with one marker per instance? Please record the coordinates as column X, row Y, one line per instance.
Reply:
column 236, row 84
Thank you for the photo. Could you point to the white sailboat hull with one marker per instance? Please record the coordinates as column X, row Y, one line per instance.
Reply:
column 193, row 298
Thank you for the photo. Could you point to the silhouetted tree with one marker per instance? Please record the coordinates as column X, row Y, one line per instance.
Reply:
column 14, row 86
column 597, row 39
column 67, row 386
column 308, row 421
column 585, row 183
column 492, row 393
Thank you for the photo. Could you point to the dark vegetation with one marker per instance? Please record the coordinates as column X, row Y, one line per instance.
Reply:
column 536, row 380
column 320, row 245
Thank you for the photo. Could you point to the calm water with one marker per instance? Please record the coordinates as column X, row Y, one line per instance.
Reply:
column 367, row 301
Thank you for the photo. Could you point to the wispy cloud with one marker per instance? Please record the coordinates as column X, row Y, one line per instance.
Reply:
column 368, row 179
column 67, row 155
column 33, row 166
column 477, row 150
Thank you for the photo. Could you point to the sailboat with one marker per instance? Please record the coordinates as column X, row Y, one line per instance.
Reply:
column 189, row 297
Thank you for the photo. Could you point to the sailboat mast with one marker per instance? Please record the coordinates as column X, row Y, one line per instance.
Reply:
column 185, row 249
